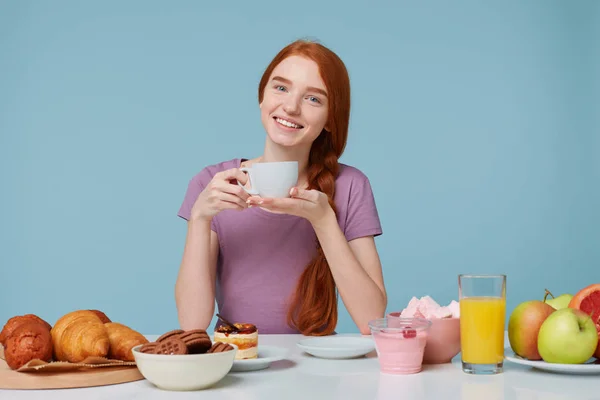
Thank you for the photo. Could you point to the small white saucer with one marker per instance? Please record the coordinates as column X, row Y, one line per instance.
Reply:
column 266, row 355
column 337, row 347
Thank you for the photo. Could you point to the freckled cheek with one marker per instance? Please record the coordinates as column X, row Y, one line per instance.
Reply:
column 315, row 118
column 267, row 110
column 269, row 102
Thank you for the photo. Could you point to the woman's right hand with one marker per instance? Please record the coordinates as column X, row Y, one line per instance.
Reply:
column 221, row 193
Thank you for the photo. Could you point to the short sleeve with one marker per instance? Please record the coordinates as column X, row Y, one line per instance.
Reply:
column 195, row 186
column 362, row 218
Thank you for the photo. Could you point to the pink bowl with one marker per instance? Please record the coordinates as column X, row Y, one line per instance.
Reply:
column 443, row 339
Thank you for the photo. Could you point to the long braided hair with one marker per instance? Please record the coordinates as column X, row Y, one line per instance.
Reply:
column 313, row 308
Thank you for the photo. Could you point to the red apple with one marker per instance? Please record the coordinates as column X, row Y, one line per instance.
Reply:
column 523, row 327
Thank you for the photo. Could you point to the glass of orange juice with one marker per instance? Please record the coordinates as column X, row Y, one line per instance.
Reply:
column 482, row 300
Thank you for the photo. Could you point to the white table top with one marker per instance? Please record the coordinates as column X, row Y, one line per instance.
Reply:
column 303, row 377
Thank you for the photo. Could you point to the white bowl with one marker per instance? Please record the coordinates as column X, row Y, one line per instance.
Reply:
column 184, row 371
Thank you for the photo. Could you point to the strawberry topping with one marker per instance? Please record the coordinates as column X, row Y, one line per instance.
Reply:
column 409, row 333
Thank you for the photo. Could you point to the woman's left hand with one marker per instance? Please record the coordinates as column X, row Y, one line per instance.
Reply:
column 310, row 204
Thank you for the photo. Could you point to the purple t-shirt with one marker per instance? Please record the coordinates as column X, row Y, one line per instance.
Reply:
column 262, row 254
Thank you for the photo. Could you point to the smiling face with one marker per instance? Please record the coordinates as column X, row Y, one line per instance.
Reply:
column 294, row 105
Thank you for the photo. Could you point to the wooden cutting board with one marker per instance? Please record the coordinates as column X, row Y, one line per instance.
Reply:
column 10, row 379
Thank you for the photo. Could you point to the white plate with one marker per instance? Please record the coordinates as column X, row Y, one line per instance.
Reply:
column 266, row 355
column 337, row 347
column 590, row 367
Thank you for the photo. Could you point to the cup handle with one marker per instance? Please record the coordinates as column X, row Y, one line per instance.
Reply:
column 251, row 191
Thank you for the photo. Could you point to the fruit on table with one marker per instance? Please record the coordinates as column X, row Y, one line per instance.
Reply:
column 559, row 302
column 523, row 327
column 567, row 336
column 588, row 301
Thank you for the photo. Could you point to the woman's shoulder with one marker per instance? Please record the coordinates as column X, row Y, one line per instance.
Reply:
column 352, row 182
column 356, row 206
column 349, row 174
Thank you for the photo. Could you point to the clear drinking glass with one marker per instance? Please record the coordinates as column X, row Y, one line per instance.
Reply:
column 400, row 343
column 482, row 300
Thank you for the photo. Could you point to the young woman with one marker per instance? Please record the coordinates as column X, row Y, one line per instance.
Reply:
column 277, row 262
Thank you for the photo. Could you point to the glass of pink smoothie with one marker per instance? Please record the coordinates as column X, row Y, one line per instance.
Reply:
column 400, row 343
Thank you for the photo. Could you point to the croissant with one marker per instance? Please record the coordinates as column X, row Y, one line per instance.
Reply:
column 78, row 335
column 122, row 340
column 102, row 316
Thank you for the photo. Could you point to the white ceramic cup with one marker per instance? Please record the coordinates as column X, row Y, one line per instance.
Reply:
column 271, row 179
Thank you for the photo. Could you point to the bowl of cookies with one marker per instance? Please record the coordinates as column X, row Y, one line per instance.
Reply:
column 184, row 360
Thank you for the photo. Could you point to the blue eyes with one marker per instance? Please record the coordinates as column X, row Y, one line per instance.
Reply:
column 312, row 99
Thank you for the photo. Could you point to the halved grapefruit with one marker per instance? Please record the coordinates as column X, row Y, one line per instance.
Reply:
column 588, row 301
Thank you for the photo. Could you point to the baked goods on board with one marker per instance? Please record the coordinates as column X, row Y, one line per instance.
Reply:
column 122, row 339
column 78, row 335
column 15, row 321
column 102, row 316
column 74, row 337
column 30, row 340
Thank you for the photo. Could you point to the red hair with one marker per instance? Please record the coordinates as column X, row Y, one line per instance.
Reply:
column 313, row 308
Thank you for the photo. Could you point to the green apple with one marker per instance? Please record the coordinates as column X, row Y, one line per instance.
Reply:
column 567, row 336
column 559, row 302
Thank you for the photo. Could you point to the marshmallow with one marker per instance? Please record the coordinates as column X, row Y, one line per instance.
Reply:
column 426, row 307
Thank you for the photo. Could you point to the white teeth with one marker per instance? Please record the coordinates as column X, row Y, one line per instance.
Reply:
column 287, row 123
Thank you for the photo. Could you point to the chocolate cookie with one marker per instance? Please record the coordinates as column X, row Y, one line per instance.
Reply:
column 196, row 340
column 171, row 346
column 220, row 347
column 170, row 334
column 148, row 347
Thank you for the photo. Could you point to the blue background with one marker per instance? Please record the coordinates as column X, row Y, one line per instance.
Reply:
column 477, row 123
